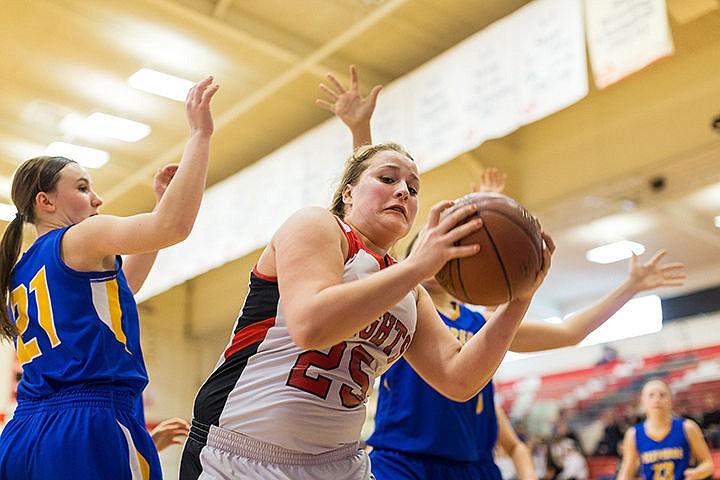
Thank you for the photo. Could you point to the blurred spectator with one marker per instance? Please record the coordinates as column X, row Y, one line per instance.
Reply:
column 609, row 354
column 574, row 464
column 521, row 431
column 710, row 421
column 685, row 411
column 612, row 435
column 562, row 431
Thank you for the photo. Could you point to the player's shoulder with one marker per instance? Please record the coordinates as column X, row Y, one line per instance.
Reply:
column 690, row 425
column 311, row 216
column 309, row 222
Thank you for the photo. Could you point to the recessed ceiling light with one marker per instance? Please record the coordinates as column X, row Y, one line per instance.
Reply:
column 85, row 156
column 159, row 83
column 717, row 221
column 114, row 127
column 7, row 212
column 614, row 252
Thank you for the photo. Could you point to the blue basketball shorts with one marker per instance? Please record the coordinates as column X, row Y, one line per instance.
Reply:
column 81, row 434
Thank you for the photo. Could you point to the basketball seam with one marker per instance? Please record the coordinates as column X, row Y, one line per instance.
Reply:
column 508, row 287
column 514, row 222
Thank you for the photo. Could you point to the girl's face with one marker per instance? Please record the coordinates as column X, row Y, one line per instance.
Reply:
column 75, row 199
column 655, row 397
column 385, row 195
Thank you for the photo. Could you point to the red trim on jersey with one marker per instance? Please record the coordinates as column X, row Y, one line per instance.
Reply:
column 247, row 336
column 264, row 277
column 355, row 244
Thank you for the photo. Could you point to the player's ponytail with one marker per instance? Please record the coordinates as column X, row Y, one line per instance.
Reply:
column 39, row 174
column 9, row 253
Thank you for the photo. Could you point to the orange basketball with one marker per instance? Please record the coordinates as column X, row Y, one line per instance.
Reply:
column 510, row 254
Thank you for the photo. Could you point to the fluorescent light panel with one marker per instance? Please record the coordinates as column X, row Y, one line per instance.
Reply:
column 7, row 212
column 614, row 252
column 85, row 156
column 159, row 83
column 114, row 127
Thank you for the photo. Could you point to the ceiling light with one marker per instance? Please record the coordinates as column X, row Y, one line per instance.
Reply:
column 5, row 186
column 717, row 221
column 85, row 156
column 159, row 83
column 614, row 252
column 114, row 127
column 7, row 212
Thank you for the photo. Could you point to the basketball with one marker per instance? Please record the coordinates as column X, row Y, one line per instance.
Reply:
column 510, row 255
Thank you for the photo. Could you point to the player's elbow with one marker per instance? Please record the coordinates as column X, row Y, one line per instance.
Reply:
column 463, row 388
column 175, row 230
column 305, row 335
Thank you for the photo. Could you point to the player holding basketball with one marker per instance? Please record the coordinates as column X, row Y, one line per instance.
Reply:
column 664, row 445
column 73, row 316
column 411, row 439
column 328, row 310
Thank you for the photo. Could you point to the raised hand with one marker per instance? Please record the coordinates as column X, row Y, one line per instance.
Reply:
column 653, row 274
column 491, row 180
column 162, row 179
column 197, row 106
column 347, row 104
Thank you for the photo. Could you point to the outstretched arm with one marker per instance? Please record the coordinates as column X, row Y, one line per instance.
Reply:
column 532, row 337
column 172, row 219
column 348, row 105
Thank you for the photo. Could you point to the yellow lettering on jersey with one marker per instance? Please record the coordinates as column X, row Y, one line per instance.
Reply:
column 26, row 350
column 663, row 470
column 19, row 300
column 45, row 313
column 675, row 453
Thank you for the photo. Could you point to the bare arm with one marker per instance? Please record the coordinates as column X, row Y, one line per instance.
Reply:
column 630, row 458
column 310, row 274
column 175, row 214
column 136, row 267
column 700, row 451
column 516, row 449
column 348, row 105
column 533, row 337
column 460, row 371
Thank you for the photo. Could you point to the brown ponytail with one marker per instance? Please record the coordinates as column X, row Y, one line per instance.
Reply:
column 39, row 174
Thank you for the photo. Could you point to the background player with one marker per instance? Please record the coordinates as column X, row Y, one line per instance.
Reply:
column 663, row 445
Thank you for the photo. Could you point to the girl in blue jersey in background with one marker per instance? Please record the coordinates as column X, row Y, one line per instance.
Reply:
column 73, row 317
column 419, row 433
column 663, row 445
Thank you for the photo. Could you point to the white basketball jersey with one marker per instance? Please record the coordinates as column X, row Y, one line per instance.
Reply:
column 310, row 401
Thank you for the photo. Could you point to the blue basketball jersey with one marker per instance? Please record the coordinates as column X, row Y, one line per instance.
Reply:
column 79, row 412
column 413, row 418
column 77, row 329
column 663, row 459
